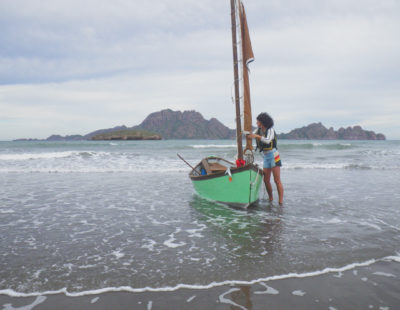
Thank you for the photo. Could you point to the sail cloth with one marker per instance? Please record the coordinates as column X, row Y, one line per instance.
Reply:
column 248, row 56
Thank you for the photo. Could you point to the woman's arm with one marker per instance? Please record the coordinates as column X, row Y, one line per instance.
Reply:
column 254, row 135
column 269, row 137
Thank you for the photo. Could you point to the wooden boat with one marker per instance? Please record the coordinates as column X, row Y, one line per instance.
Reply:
column 224, row 182
column 218, row 179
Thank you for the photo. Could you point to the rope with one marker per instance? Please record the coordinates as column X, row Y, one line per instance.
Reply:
column 255, row 181
column 264, row 189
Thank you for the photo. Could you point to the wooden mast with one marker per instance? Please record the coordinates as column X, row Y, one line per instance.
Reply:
column 236, row 77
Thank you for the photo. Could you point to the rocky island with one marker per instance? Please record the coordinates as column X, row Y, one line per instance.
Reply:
column 185, row 125
column 169, row 124
column 165, row 124
column 317, row 131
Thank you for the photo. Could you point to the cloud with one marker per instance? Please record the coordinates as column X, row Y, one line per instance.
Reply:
column 101, row 103
column 341, row 71
column 61, row 40
column 64, row 65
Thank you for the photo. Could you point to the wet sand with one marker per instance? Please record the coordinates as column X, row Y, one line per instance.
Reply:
column 376, row 286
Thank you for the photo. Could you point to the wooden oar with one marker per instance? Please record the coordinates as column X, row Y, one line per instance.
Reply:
column 186, row 162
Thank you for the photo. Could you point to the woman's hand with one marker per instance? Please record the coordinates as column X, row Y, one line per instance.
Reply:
column 254, row 136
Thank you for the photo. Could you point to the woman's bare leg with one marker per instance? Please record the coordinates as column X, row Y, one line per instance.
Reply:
column 267, row 181
column 276, row 171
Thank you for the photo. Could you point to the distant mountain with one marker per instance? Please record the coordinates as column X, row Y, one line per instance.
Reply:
column 317, row 131
column 66, row 138
column 89, row 136
column 169, row 124
column 85, row 137
column 185, row 125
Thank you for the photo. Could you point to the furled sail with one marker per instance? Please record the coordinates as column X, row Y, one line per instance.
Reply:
column 248, row 56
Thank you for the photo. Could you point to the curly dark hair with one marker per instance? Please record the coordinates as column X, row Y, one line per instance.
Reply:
column 266, row 120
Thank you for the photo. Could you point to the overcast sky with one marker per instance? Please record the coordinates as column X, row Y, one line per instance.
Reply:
column 72, row 67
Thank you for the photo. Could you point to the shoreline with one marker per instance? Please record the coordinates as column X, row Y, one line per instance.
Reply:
column 373, row 285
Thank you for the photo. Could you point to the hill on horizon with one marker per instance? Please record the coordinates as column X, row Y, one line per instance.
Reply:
column 168, row 124
column 185, row 125
column 317, row 131
column 171, row 124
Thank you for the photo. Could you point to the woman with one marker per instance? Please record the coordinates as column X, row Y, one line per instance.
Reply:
column 267, row 143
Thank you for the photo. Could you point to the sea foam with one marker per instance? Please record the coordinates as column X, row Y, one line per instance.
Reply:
column 29, row 156
column 327, row 270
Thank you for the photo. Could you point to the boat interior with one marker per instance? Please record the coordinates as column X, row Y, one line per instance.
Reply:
column 212, row 165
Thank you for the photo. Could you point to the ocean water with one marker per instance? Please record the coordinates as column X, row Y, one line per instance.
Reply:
column 87, row 217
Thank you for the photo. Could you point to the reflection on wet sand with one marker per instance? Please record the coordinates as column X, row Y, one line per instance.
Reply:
column 242, row 297
column 251, row 232
column 239, row 298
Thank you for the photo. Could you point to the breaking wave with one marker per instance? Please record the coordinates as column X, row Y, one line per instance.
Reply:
column 338, row 166
column 316, row 145
column 48, row 155
column 30, row 156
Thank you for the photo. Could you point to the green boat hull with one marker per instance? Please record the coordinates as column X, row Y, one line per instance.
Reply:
column 243, row 188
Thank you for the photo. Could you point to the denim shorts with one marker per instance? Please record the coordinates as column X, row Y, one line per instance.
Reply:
column 272, row 159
